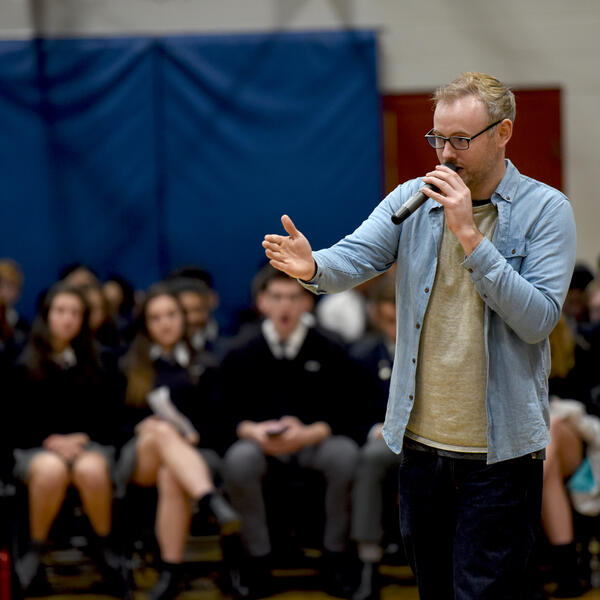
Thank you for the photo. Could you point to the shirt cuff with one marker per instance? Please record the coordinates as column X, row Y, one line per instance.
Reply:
column 313, row 284
column 481, row 260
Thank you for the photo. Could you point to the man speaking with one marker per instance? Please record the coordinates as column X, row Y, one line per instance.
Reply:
column 483, row 267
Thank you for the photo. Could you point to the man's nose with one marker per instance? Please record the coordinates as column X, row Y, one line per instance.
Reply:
column 447, row 153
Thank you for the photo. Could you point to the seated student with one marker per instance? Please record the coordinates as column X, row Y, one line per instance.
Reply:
column 11, row 284
column 575, row 308
column 62, row 431
column 570, row 377
column 102, row 325
column 590, row 332
column 287, row 387
column 9, row 350
column 210, row 302
column 78, row 275
column 197, row 300
column 9, row 346
column 120, row 296
column 374, row 355
column 169, row 412
column 592, row 292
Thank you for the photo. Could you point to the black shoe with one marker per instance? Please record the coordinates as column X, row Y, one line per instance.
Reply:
column 116, row 577
column 253, row 580
column 368, row 588
column 335, row 572
column 569, row 589
column 32, row 574
column 167, row 587
column 228, row 519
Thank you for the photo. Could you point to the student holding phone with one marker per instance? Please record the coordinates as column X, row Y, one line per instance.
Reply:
column 280, row 425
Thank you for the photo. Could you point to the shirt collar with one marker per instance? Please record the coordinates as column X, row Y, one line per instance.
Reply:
column 65, row 359
column 507, row 188
column 292, row 345
column 198, row 340
column 180, row 354
column 12, row 316
column 208, row 333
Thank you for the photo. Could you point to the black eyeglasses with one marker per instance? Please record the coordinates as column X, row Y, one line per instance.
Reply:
column 458, row 142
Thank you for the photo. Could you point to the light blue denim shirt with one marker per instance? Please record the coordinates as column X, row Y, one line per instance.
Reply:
column 522, row 275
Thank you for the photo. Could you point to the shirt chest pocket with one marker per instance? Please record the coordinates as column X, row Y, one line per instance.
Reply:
column 515, row 252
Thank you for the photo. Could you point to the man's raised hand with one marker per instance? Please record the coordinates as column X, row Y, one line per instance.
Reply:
column 291, row 254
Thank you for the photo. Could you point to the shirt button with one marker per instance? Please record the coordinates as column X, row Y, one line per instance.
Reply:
column 427, row 290
column 413, row 361
column 410, row 397
column 513, row 251
column 485, row 295
column 470, row 270
column 418, row 326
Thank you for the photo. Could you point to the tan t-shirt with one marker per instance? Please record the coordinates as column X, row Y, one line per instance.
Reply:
column 449, row 412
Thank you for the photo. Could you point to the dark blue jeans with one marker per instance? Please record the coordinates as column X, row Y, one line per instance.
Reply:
column 468, row 528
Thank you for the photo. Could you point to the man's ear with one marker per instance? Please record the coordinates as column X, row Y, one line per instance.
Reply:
column 505, row 130
column 261, row 303
column 308, row 300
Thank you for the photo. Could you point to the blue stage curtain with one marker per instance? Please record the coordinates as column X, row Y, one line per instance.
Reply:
column 138, row 155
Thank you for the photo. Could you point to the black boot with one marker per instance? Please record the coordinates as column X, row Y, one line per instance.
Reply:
column 566, row 572
column 254, row 579
column 115, row 574
column 31, row 572
column 169, row 583
column 335, row 572
column 368, row 587
column 228, row 519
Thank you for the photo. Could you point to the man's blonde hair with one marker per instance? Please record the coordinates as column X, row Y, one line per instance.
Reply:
column 496, row 97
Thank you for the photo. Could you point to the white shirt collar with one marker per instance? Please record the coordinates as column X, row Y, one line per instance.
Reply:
column 209, row 333
column 179, row 355
column 65, row 359
column 12, row 316
column 292, row 345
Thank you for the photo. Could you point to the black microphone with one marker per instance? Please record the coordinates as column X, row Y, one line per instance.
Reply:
column 416, row 200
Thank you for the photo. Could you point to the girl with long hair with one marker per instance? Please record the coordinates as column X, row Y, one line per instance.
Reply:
column 62, row 430
column 169, row 413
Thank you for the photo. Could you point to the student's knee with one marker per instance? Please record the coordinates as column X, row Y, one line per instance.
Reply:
column 374, row 452
column 244, row 461
column 338, row 456
column 157, row 433
column 49, row 471
column 374, row 459
column 91, row 471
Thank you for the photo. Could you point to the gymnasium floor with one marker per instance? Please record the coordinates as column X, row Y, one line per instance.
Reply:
column 299, row 585
column 399, row 586
column 73, row 577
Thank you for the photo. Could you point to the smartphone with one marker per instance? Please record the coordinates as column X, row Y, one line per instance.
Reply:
column 277, row 431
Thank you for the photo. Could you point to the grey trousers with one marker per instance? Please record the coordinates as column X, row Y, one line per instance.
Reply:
column 245, row 466
column 376, row 460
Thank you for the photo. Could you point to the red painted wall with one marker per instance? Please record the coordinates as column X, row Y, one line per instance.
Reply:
column 535, row 147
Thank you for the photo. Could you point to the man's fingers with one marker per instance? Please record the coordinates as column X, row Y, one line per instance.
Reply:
column 271, row 247
column 289, row 226
column 274, row 254
column 273, row 238
column 279, row 265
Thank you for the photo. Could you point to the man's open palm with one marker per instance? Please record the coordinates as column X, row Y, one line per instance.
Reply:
column 291, row 254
